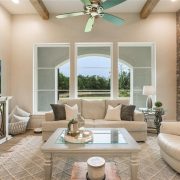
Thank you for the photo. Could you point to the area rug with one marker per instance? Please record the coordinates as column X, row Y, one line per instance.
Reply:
column 22, row 159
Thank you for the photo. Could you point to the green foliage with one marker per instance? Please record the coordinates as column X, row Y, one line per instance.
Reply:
column 63, row 82
column 158, row 104
column 124, row 93
column 96, row 83
column 124, row 80
column 93, row 83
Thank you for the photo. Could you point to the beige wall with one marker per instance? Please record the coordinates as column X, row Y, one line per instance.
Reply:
column 30, row 29
column 5, row 49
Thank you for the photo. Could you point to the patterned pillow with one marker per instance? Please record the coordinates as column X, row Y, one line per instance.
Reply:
column 17, row 127
column 18, row 124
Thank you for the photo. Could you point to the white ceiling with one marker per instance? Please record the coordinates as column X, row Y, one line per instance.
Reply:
column 62, row 6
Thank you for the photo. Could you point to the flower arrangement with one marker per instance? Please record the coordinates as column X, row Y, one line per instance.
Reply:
column 73, row 127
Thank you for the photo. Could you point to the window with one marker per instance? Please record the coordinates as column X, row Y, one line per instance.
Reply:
column 63, row 80
column 94, row 77
column 138, row 57
column 94, row 70
column 46, row 75
column 95, row 73
column 124, row 80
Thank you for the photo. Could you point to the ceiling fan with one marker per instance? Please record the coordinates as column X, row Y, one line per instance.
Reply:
column 95, row 9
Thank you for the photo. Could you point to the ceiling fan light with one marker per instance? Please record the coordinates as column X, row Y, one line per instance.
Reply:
column 15, row 1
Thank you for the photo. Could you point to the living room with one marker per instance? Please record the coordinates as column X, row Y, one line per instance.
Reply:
column 26, row 34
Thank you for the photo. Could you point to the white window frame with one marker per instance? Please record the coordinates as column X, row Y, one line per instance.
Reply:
column 152, row 45
column 56, row 78
column 73, row 49
column 131, row 79
column 35, row 73
column 93, row 44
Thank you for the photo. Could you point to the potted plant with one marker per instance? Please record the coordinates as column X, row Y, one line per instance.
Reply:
column 158, row 106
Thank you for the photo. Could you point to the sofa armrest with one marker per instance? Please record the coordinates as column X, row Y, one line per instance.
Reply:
column 170, row 128
column 49, row 116
column 138, row 116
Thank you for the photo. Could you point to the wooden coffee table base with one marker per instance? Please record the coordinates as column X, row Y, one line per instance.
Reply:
column 80, row 169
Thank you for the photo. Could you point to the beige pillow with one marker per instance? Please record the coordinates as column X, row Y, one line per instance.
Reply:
column 113, row 113
column 71, row 112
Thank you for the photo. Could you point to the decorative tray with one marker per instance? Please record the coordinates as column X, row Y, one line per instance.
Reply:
column 82, row 137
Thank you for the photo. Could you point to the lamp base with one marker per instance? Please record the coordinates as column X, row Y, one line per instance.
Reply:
column 149, row 103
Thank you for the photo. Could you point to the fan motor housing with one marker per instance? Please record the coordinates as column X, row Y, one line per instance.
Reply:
column 94, row 9
column 96, row 1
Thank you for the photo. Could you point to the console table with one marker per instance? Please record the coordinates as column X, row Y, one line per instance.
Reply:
column 4, row 111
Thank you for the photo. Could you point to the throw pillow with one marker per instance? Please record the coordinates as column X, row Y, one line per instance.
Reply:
column 16, row 118
column 59, row 111
column 113, row 113
column 11, row 114
column 20, row 112
column 71, row 112
column 127, row 112
column 10, row 117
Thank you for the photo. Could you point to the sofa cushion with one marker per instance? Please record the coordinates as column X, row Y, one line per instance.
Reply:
column 138, row 116
column 113, row 113
column 170, row 144
column 127, row 112
column 116, row 102
column 170, row 128
column 59, row 111
column 89, row 123
column 72, row 102
column 53, row 125
column 93, row 109
column 129, row 125
column 49, row 116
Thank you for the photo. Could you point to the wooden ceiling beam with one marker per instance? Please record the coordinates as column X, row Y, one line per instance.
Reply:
column 148, row 7
column 40, row 8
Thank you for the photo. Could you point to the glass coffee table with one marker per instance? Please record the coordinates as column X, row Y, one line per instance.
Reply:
column 105, row 142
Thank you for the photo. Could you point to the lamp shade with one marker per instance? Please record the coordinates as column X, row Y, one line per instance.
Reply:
column 148, row 90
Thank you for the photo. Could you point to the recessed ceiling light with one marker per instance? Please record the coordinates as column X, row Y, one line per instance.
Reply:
column 173, row 0
column 15, row 1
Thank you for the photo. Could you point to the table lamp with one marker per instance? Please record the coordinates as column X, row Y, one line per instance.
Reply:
column 148, row 91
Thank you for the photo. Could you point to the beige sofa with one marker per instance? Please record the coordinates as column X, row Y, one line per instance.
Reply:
column 169, row 142
column 93, row 111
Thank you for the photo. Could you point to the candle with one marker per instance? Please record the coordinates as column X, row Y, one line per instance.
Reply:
column 96, row 168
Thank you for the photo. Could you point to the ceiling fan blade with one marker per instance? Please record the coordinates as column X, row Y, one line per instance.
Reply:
column 110, row 3
column 70, row 14
column 113, row 19
column 89, row 24
column 86, row 2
